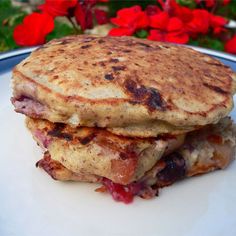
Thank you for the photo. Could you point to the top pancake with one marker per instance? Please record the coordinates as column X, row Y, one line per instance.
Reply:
column 118, row 82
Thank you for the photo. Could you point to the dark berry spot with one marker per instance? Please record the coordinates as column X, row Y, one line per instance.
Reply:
column 109, row 77
column 85, row 46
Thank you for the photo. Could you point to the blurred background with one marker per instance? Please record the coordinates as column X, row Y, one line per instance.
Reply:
column 205, row 23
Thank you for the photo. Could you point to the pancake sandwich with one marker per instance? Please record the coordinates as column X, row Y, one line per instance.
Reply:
column 132, row 114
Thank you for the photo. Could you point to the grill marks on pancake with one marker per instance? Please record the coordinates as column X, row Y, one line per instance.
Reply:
column 59, row 132
column 215, row 88
column 148, row 96
column 154, row 100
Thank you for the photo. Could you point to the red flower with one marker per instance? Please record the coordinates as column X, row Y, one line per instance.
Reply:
column 121, row 32
column 57, row 8
column 230, row 45
column 210, row 3
column 199, row 23
column 159, row 21
column 152, row 10
column 83, row 14
column 217, row 23
column 101, row 16
column 167, row 28
column 34, row 29
column 184, row 13
column 132, row 18
column 226, row 2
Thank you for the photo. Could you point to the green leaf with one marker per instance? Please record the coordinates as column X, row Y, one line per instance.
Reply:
column 115, row 5
column 193, row 42
column 228, row 11
column 60, row 30
column 141, row 33
column 5, row 4
column 187, row 3
column 210, row 42
column 216, row 44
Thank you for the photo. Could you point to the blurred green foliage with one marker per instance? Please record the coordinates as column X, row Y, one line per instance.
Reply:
column 187, row 3
column 115, row 5
column 9, row 18
column 60, row 30
column 206, row 41
column 228, row 11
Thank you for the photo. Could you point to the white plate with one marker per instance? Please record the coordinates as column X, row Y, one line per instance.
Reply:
column 33, row 204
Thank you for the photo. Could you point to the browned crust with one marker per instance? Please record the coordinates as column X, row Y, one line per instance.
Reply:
column 58, row 172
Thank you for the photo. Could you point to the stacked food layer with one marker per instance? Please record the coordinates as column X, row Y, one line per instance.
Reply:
column 132, row 114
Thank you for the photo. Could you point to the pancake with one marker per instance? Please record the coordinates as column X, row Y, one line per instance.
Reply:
column 124, row 84
column 204, row 150
column 97, row 152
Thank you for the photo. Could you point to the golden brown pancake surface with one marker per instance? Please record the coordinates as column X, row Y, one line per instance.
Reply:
column 121, row 82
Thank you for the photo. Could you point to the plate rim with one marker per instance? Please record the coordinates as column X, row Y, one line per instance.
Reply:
column 16, row 52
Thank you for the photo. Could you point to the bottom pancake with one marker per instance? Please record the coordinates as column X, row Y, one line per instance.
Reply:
column 204, row 150
column 95, row 151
